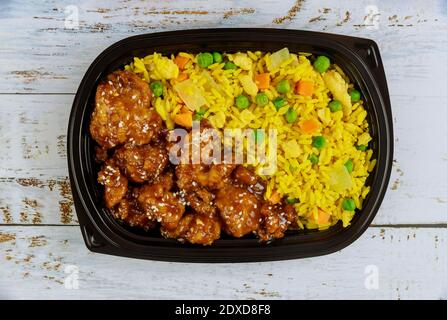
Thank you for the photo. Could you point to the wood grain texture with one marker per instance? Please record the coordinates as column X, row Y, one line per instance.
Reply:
column 36, row 258
column 411, row 37
column 42, row 63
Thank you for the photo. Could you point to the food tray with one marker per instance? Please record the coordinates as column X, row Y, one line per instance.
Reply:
column 360, row 60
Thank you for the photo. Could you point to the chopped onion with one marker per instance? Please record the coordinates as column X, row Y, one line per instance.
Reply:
column 249, row 85
column 242, row 61
column 338, row 87
column 190, row 94
column 340, row 179
column 278, row 58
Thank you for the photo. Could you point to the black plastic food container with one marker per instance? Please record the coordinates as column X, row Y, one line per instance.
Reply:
column 360, row 60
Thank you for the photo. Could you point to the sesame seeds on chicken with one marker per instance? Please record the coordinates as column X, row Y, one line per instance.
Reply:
column 192, row 203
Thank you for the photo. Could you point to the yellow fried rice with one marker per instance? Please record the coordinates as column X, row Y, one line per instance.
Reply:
column 296, row 177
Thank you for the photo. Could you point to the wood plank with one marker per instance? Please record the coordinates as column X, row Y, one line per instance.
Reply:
column 37, row 257
column 33, row 168
column 34, row 31
column 34, row 187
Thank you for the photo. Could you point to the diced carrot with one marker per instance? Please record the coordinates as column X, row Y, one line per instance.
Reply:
column 323, row 217
column 309, row 126
column 262, row 80
column 305, row 88
column 184, row 119
column 181, row 61
column 182, row 76
column 274, row 197
column 184, row 109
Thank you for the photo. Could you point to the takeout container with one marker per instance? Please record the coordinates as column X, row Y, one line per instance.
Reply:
column 360, row 60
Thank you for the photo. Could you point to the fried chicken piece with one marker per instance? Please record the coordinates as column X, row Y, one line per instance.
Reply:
column 165, row 180
column 214, row 176
column 247, row 178
column 161, row 205
column 198, row 180
column 195, row 228
column 275, row 220
column 130, row 212
column 203, row 168
column 122, row 113
column 202, row 201
column 239, row 210
column 142, row 163
column 114, row 182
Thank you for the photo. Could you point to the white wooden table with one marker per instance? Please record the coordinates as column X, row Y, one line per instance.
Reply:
column 402, row 255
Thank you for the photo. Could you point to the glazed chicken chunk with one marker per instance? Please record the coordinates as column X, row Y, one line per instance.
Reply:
column 161, row 205
column 195, row 228
column 202, row 201
column 197, row 181
column 247, row 178
column 142, row 163
column 275, row 220
column 122, row 113
column 239, row 210
column 114, row 182
column 212, row 176
column 130, row 212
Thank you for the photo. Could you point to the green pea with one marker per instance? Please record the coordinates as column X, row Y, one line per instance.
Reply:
column 335, row 105
column 349, row 165
column 199, row 114
column 283, row 86
column 230, row 66
column 279, row 102
column 313, row 158
column 157, row 88
column 322, row 63
column 202, row 111
column 242, row 102
column 262, row 99
column 319, row 142
column 362, row 147
column 259, row 135
column 291, row 115
column 355, row 95
column 217, row 57
column 205, row 59
column 197, row 117
column 348, row 204
column 292, row 200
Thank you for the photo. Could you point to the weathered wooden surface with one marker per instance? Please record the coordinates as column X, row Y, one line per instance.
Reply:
column 411, row 35
column 409, row 263
column 42, row 62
